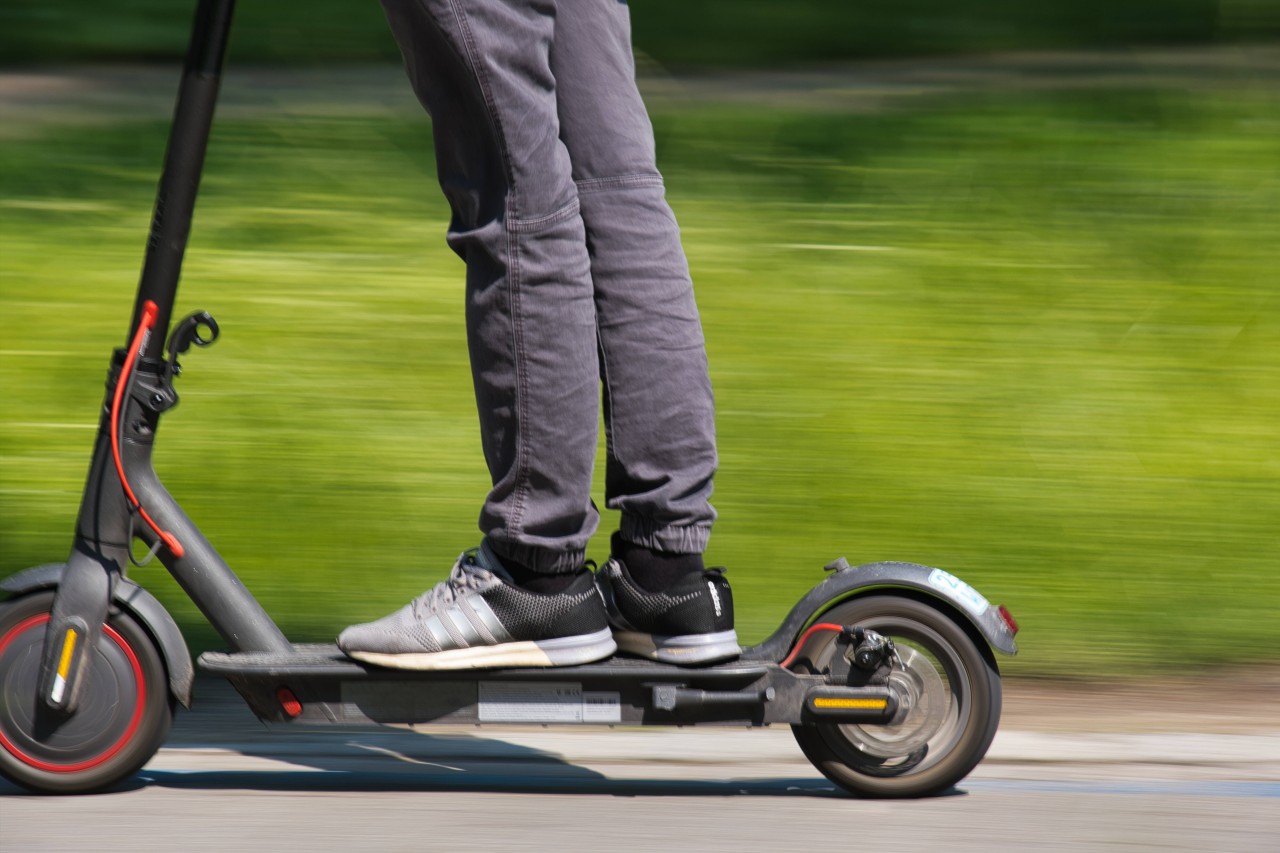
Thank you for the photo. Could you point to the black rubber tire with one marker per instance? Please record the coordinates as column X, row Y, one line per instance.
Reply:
column 969, row 672
column 123, row 717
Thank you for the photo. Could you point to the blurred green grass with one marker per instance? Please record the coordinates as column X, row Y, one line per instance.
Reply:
column 1030, row 337
column 673, row 33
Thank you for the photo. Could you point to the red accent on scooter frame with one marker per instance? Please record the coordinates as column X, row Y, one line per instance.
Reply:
column 140, row 701
column 288, row 702
column 140, row 339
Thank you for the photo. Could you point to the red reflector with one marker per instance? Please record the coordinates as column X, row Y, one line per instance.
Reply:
column 292, row 707
column 1008, row 618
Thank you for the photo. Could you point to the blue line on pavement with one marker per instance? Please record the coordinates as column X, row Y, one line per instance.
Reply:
column 1189, row 788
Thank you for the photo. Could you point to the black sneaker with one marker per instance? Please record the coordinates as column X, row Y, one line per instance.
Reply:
column 691, row 622
column 478, row 618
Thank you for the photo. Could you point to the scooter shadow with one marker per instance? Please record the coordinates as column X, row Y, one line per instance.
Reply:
column 397, row 760
column 220, row 745
column 581, row 783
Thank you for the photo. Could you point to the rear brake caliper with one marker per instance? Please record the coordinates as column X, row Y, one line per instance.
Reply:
column 869, row 657
column 868, row 650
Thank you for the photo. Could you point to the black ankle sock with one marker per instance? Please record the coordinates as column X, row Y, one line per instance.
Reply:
column 543, row 583
column 653, row 570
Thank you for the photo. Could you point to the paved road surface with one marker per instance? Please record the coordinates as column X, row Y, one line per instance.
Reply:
column 1126, row 779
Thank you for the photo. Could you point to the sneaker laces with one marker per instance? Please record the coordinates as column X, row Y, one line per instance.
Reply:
column 466, row 576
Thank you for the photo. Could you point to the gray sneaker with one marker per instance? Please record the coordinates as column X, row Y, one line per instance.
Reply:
column 478, row 618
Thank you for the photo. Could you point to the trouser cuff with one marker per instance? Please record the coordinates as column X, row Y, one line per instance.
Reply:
column 538, row 559
column 683, row 539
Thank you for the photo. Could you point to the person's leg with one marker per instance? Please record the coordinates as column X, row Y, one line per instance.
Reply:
column 524, row 598
column 482, row 69
column 659, row 414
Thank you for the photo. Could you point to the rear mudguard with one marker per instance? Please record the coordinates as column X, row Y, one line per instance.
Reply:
column 140, row 604
column 846, row 582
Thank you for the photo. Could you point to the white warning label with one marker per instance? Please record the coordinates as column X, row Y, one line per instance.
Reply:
column 543, row 702
column 601, row 707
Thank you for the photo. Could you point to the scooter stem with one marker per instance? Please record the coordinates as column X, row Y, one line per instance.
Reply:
column 183, row 165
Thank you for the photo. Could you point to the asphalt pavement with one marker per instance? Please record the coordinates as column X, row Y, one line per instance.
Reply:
column 1138, row 774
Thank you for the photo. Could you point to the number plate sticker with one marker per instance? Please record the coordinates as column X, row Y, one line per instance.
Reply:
column 959, row 590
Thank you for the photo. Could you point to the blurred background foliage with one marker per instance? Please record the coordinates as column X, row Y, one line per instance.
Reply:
column 1012, row 314
column 674, row 33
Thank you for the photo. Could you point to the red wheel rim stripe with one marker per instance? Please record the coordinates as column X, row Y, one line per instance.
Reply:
column 139, row 703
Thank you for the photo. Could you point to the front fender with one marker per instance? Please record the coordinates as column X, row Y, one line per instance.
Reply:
column 140, row 604
column 847, row 582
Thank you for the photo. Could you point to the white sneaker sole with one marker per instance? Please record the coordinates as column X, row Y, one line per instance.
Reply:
column 684, row 650
column 561, row 651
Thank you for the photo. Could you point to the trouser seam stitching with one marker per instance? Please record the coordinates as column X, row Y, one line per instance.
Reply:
column 610, row 453
column 561, row 214
column 610, row 182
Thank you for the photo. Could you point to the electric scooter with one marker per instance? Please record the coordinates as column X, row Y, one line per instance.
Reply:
column 885, row 672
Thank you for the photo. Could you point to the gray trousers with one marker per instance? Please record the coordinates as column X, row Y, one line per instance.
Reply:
column 576, row 279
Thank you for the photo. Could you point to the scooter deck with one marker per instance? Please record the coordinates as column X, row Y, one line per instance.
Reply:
column 317, row 683
column 326, row 659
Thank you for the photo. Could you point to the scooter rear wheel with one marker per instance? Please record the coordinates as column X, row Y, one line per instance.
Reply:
column 124, row 712
column 956, row 692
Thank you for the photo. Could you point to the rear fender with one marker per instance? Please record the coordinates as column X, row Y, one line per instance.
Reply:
column 848, row 582
column 140, row 604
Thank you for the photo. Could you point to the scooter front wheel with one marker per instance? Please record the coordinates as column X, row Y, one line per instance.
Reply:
column 955, row 699
column 123, row 716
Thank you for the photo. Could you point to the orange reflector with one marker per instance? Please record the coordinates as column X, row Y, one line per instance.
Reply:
column 68, row 646
column 834, row 702
column 288, row 702
column 64, row 668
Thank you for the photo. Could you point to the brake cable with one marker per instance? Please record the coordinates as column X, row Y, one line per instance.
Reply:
column 125, row 383
column 795, row 651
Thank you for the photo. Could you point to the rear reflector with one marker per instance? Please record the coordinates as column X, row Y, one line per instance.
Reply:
column 1008, row 618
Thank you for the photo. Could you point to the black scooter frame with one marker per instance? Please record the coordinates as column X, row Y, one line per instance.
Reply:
column 125, row 501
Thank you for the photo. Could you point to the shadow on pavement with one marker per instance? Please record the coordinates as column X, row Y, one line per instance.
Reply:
column 576, row 781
